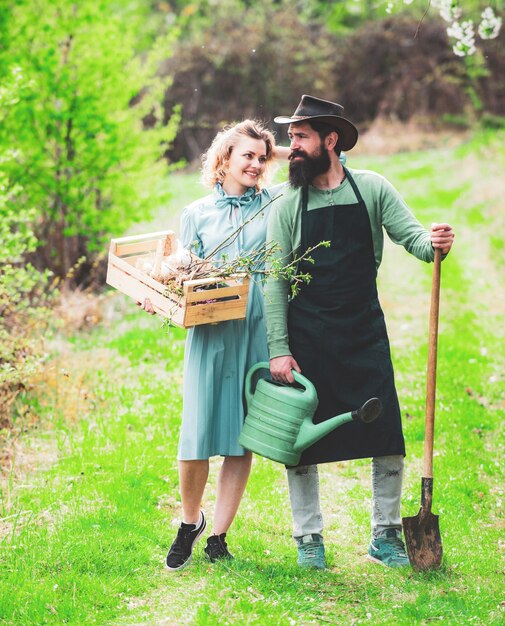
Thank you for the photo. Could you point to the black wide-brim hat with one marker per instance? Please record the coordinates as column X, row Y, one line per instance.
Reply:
column 311, row 108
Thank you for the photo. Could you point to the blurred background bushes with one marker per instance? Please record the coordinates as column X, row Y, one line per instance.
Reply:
column 235, row 61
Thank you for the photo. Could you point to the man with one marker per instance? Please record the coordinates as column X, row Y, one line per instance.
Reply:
column 333, row 331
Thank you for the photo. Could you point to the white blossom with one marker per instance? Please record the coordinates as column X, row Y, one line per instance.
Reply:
column 490, row 25
column 464, row 36
column 449, row 9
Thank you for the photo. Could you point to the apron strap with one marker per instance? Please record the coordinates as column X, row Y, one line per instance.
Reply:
column 305, row 203
column 359, row 197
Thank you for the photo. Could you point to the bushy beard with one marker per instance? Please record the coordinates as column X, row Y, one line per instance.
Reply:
column 302, row 173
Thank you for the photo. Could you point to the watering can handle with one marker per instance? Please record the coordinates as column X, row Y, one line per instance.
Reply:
column 305, row 382
column 263, row 365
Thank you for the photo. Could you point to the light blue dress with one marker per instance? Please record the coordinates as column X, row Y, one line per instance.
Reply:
column 217, row 357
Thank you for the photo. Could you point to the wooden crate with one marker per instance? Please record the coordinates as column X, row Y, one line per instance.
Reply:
column 200, row 304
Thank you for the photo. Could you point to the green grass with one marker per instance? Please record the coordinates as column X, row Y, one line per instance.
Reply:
column 88, row 505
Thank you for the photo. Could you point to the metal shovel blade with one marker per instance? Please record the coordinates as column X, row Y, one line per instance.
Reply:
column 422, row 533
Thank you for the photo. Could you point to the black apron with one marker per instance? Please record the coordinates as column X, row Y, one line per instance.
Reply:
column 337, row 333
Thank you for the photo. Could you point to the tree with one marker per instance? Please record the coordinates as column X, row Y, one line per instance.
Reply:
column 81, row 155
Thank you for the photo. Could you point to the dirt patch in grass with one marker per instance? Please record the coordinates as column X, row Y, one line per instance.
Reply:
column 163, row 601
column 66, row 389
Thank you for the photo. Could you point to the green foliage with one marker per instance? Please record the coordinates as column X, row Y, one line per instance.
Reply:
column 342, row 17
column 21, row 297
column 493, row 122
column 22, row 287
column 76, row 164
column 82, row 156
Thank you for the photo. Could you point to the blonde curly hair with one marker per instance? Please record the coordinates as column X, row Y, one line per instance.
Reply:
column 214, row 161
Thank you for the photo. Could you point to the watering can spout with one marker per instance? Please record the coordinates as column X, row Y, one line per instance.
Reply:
column 310, row 433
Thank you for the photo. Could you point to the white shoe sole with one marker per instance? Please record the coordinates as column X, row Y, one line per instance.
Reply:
column 374, row 560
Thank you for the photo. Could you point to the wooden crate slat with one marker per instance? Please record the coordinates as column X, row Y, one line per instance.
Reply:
column 138, row 291
column 220, row 292
column 146, row 247
column 122, row 278
column 147, row 237
column 134, row 246
column 214, row 279
column 211, row 307
column 128, row 266
column 212, row 313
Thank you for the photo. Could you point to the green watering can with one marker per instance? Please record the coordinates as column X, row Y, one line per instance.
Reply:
column 279, row 422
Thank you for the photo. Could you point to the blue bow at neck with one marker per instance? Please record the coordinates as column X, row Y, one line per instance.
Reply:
column 223, row 200
column 232, row 203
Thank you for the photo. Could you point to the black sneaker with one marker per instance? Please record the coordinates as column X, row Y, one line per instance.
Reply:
column 180, row 551
column 216, row 548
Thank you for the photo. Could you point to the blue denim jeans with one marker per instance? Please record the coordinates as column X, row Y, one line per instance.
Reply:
column 387, row 478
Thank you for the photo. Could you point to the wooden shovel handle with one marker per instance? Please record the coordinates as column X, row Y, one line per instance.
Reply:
column 431, row 380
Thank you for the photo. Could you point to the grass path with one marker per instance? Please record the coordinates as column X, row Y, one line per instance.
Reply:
column 90, row 491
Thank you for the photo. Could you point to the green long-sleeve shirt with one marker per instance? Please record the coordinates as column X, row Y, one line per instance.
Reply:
column 386, row 209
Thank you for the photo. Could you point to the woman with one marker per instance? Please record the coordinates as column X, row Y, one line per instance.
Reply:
column 217, row 357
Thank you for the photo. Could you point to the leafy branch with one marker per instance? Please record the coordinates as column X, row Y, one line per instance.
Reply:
column 254, row 263
column 263, row 262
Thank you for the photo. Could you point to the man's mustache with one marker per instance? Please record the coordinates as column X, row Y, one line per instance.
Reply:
column 298, row 153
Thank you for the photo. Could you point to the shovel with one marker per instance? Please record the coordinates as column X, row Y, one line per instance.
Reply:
column 422, row 534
